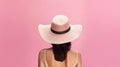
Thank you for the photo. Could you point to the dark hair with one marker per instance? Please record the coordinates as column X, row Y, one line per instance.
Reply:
column 60, row 51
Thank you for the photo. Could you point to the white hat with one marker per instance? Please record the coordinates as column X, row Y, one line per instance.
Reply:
column 59, row 31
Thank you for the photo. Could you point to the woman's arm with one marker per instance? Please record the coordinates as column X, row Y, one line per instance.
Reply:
column 79, row 62
column 41, row 59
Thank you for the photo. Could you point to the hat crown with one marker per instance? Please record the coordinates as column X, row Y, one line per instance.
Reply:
column 60, row 23
column 60, row 19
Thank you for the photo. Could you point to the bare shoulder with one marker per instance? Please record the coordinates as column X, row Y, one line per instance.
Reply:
column 41, row 52
column 75, row 52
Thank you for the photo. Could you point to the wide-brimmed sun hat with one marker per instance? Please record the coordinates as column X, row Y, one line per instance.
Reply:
column 59, row 31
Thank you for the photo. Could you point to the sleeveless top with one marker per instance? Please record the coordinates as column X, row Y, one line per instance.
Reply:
column 46, row 65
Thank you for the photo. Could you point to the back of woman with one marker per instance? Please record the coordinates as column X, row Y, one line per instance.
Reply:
column 59, row 56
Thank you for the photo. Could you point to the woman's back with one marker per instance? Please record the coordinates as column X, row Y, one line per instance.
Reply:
column 46, row 59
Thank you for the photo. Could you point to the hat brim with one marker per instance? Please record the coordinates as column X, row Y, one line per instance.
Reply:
column 50, row 37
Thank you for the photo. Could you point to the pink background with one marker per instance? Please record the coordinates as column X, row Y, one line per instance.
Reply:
column 20, row 41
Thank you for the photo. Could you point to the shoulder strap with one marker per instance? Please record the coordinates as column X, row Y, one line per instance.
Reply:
column 45, row 54
column 46, row 65
column 76, row 58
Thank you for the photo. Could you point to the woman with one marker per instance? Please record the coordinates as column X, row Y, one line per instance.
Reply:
column 59, row 34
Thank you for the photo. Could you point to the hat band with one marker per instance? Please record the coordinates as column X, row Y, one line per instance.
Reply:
column 62, row 32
